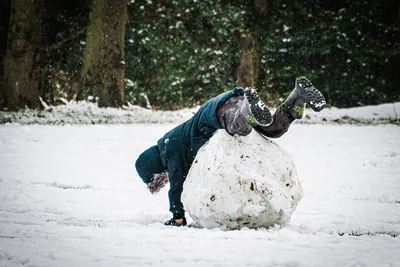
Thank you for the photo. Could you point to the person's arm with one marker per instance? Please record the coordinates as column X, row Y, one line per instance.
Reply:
column 177, row 175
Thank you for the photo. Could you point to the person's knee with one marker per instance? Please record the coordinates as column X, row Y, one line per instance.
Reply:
column 242, row 131
column 239, row 126
column 247, row 132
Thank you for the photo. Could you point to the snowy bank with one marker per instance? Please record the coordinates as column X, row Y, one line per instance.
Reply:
column 89, row 113
column 380, row 114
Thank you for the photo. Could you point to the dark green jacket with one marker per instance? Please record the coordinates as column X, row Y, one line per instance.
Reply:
column 179, row 147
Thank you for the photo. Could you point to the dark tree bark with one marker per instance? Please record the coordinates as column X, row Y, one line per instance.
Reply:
column 5, row 6
column 103, row 68
column 261, row 6
column 21, row 69
column 247, row 71
column 249, row 63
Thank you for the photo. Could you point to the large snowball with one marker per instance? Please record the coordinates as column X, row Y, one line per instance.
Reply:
column 238, row 182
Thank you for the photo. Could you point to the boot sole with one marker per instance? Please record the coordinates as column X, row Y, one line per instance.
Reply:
column 260, row 111
column 315, row 99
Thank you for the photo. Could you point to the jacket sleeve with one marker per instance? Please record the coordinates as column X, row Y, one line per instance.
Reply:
column 177, row 175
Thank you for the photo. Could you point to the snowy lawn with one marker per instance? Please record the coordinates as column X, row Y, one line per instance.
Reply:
column 70, row 196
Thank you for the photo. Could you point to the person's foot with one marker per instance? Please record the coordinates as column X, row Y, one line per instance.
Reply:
column 255, row 111
column 304, row 93
column 176, row 222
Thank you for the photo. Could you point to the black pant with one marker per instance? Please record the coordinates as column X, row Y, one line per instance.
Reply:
column 234, row 122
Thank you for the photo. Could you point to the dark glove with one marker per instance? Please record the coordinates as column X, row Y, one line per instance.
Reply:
column 158, row 182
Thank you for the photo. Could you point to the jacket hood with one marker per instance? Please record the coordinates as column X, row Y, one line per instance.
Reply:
column 149, row 163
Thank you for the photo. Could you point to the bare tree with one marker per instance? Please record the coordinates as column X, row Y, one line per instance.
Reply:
column 21, row 69
column 103, row 68
column 248, row 69
column 261, row 6
column 4, row 20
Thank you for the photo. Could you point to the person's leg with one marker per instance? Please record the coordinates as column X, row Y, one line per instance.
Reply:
column 281, row 121
column 231, row 119
column 304, row 93
column 254, row 109
column 239, row 114
column 293, row 108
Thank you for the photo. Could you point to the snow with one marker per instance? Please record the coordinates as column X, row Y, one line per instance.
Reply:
column 238, row 182
column 88, row 113
column 384, row 113
column 69, row 196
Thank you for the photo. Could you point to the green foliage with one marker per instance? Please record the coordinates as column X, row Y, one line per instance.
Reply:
column 181, row 53
column 65, row 25
column 344, row 47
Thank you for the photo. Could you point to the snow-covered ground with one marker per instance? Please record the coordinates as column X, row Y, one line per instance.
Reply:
column 70, row 196
column 89, row 113
column 381, row 114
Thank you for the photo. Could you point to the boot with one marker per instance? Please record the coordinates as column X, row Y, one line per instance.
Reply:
column 172, row 222
column 254, row 110
column 304, row 93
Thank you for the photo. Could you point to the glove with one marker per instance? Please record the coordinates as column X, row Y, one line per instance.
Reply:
column 158, row 182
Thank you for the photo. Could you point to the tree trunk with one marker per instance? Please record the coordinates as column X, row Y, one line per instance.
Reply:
column 5, row 6
column 261, row 6
column 249, row 63
column 247, row 71
column 103, row 68
column 21, row 69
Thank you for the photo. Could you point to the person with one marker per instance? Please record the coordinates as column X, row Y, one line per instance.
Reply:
column 237, row 111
